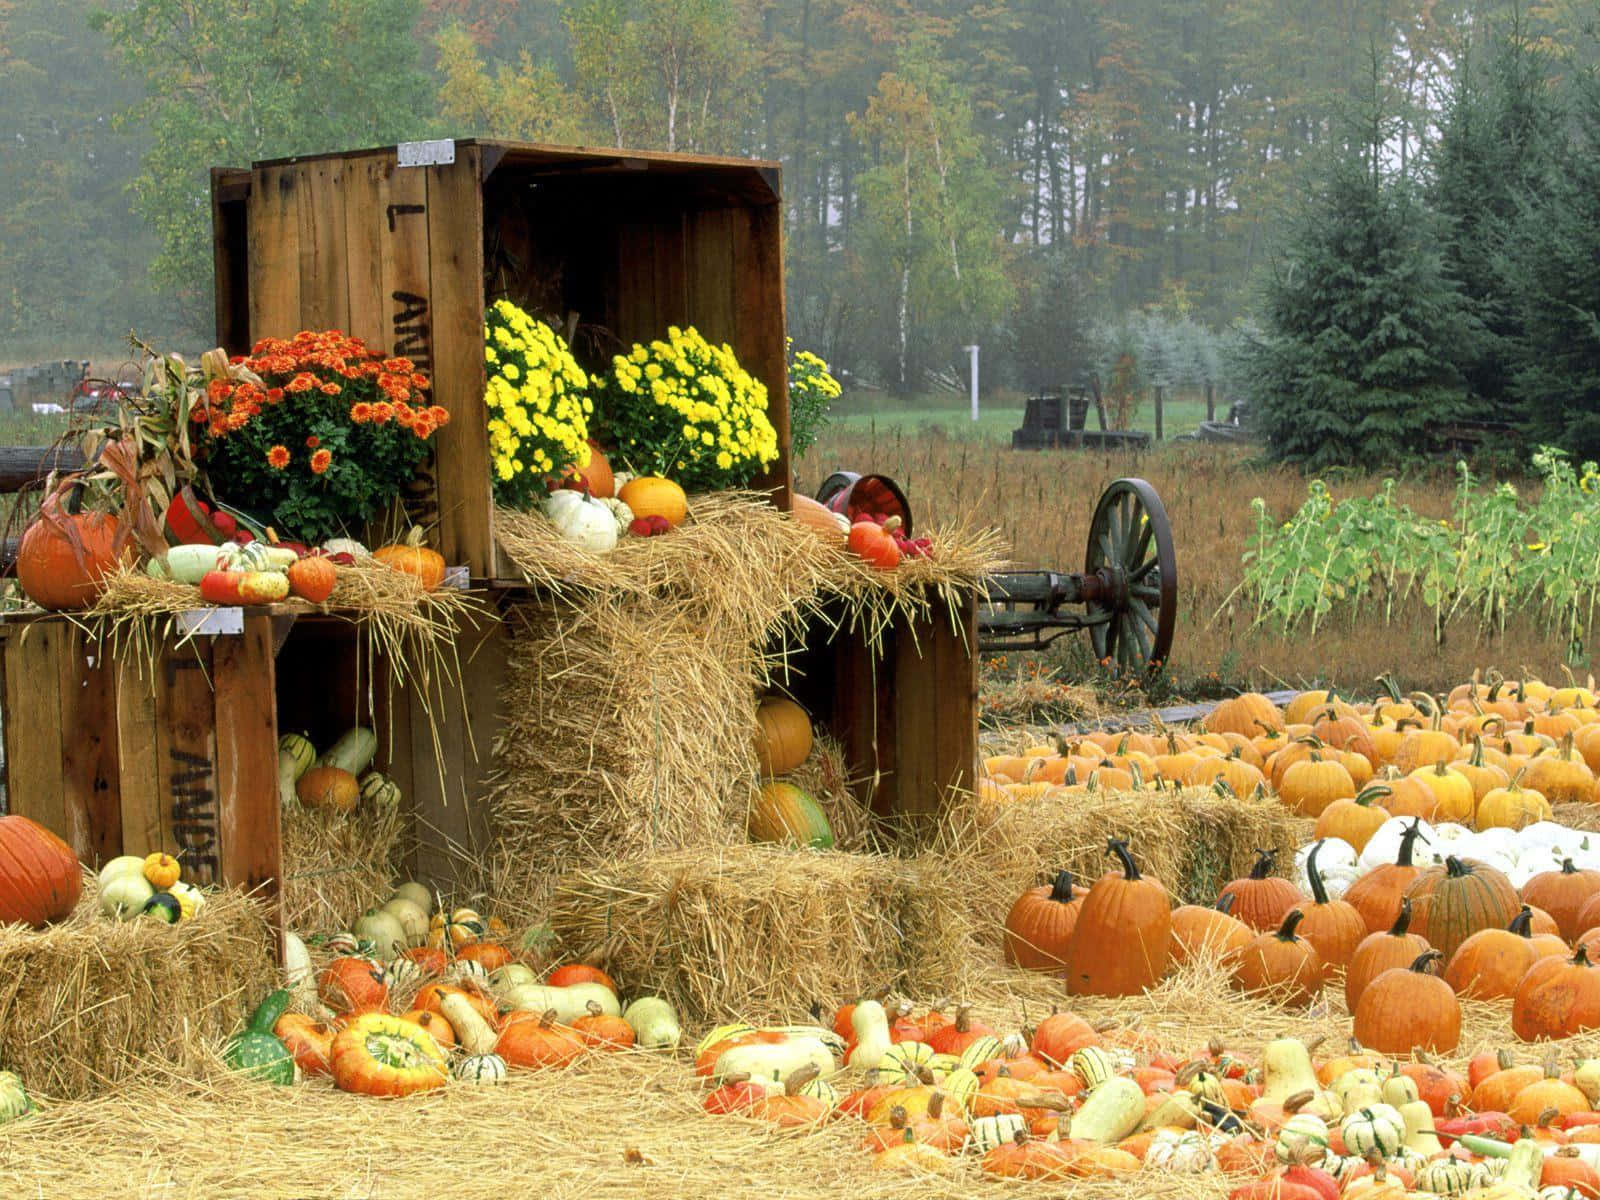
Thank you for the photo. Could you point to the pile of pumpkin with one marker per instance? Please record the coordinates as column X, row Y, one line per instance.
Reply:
column 337, row 780
column 1393, row 929
column 1072, row 1101
column 782, row 812
column 1489, row 755
column 152, row 886
column 413, row 997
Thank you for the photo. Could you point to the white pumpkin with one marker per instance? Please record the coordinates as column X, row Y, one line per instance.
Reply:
column 1376, row 1127
column 480, row 1068
column 413, row 919
column 580, row 518
column 384, row 930
column 1336, row 863
column 1384, row 846
column 416, row 893
column 125, row 864
column 1180, row 1153
column 124, row 896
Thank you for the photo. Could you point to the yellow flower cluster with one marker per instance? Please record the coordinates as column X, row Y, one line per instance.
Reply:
column 686, row 408
column 538, row 404
column 816, row 369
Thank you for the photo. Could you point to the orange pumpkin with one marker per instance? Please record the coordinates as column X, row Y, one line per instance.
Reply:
column 1282, row 964
column 535, row 1041
column 313, row 578
column 1262, row 899
column 40, row 880
column 1334, row 927
column 571, row 973
column 1040, row 924
column 1061, row 1035
column 1026, row 1157
column 490, row 955
column 354, row 985
column 1377, row 894
column 65, row 557
column 1198, row 930
column 595, row 478
column 1557, row 998
column 1452, row 902
column 1407, row 1008
column 412, row 558
column 783, row 736
column 1378, row 952
column 332, row 789
column 1491, row 963
column 1123, row 940
column 1563, row 894
column 652, row 496
column 600, row 1031
column 308, row 1040
column 435, row 1025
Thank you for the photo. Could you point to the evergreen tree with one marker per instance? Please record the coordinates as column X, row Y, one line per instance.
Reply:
column 1552, row 267
column 1361, row 327
column 1503, row 132
column 1049, row 331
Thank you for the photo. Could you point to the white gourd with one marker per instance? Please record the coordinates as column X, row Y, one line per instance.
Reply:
column 1336, row 863
column 654, row 1023
column 1377, row 1127
column 871, row 1026
column 777, row 1060
column 480, row 1068
column 513, row 975
column 580, row 518
column 1180, row 1153
column 568, row 1003
column 1303, row 1138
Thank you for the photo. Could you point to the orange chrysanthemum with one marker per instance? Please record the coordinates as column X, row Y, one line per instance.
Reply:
column 313, row 442
column 320, row 461
column 361, row 412
column 278, row 457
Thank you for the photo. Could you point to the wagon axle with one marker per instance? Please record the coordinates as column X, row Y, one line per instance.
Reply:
column 1128, row 587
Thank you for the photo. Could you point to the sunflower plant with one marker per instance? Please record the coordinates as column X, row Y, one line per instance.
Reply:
column 319, row 433
column 685, row 409
column 538, row 402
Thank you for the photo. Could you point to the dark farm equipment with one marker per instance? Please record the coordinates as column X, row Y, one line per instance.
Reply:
column 1128, row 588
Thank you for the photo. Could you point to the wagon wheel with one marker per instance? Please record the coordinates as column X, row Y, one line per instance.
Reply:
column 1132, row 576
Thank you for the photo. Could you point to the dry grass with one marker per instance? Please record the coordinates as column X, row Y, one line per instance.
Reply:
column 335, row 867
column 89, row 1003
column 1042, row 501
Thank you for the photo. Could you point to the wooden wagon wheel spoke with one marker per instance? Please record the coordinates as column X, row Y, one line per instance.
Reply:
column 1130, row 551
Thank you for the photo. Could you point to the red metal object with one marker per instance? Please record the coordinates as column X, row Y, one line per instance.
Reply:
column 856, row 496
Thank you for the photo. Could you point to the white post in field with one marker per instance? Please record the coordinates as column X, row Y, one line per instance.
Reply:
column 973, row 351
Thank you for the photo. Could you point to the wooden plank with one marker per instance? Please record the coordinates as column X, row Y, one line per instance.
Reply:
column 461, row 449
column 33, row 730
column 324, row 286
column 761, row 339
column 709, row 283
column 275, row 253
column 186, row 760
column 408, row 299
column 953, row 646
column 139, row 781
column 365, row 230
column 89, row 762
column 862, row 684
column 914, row 720
column 250, row 853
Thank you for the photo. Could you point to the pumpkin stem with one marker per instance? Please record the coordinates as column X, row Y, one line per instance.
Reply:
column 1522, row 923
column 1403, row 921
column 1319, row 892
column 935, row 1105
column 1567, row 868
column 1296, row 1102
column 963, row 1019
column 1580, row 957
column 1286, row 930
column 1454, row 867
column 897, row 1117
column 1372, row 792
column 1264, row 863
column 1408, row 839
column 1119, row 847
column 1061, row 891
column 1423, row 963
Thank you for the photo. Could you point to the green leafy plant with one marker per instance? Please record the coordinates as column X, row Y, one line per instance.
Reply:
column 812, row 391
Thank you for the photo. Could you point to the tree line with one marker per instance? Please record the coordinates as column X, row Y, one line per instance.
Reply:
column 1068, row 183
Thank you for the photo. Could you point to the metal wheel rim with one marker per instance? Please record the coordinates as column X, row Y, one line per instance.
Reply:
column 1130, row 529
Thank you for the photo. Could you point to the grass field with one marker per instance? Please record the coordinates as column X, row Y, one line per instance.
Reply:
column 1043, row 500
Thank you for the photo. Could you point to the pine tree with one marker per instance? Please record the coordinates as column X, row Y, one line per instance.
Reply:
column 1361, row 327
column 1502, row 133
column 1552, row 267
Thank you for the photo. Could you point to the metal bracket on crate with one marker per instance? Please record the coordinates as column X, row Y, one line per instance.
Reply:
column 211, row 621
column 438, row 153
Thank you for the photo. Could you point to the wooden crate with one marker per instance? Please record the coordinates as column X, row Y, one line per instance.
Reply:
column 119, row 755
column 408, row 257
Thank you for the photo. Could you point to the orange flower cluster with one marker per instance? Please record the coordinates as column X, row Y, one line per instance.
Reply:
column 331, row 363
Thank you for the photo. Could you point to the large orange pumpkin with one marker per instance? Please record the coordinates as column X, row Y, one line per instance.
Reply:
column 596, row 478
column 783, row 738
column 1377, row 894
column 39, row 877
column 1282, row 964
column 535, row 1041
column 1491, row 963
column 1408, row 1008
column 1262, row 899
column 65, row 557
column 411, row 557
column 1378, row 952
column 1562, row 894
column 353, row 984
column 1334, row 927
column 1123, row 940
column 1557, row 998
column 652, row 496
column 1040, row 924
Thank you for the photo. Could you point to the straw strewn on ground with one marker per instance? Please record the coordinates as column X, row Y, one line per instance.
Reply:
column 336, row 867
column 85, row 1003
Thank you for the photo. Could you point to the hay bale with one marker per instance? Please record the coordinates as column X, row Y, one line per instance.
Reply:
column 757, row 932
column 1193, row 840
column 91, row 1002
column 335, row 867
